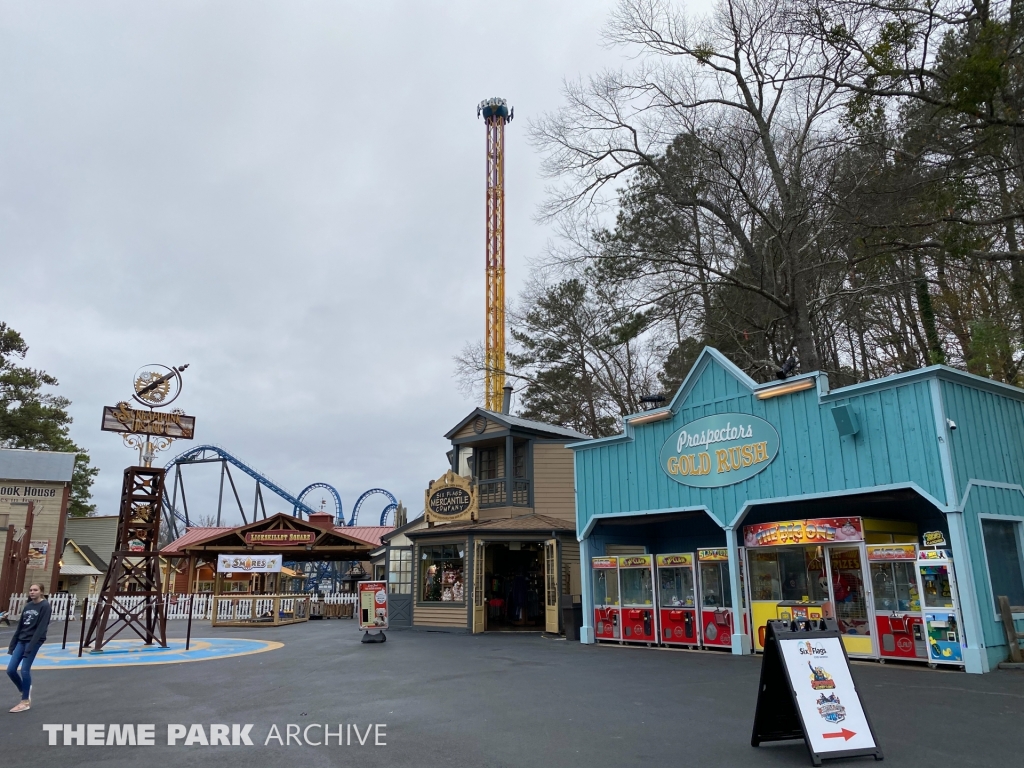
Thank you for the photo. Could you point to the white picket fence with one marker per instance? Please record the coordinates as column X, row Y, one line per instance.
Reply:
column 175, row 606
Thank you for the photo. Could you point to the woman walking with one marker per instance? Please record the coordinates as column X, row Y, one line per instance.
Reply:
column 28, row 637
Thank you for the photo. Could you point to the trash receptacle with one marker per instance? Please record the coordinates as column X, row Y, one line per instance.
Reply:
column 572, row 616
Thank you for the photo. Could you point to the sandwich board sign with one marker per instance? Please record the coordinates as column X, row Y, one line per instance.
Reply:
column 807, row 692
column 373, row 610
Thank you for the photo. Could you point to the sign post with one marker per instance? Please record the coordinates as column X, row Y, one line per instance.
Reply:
column 807, row 692
column 373, row 610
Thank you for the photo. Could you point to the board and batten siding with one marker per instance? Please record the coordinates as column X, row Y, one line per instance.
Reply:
column 98, row 533
column 571, row 575
column 468, row 431
column 986, row 445
column 553, row 485
column 896, row 445
column 987, row 455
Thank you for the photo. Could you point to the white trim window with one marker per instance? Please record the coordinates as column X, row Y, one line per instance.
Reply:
column 1005, row 563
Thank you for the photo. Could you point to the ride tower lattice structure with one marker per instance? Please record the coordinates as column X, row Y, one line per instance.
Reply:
column 496, row 114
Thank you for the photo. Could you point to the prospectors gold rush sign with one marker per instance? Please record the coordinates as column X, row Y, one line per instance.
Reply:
column 124, row 418
column 450, row 497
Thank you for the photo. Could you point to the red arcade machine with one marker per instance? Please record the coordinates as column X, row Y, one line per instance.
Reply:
column 716, row 622
column 897, row 601
column 677, row 607
column 636, row 580
column 607, row 618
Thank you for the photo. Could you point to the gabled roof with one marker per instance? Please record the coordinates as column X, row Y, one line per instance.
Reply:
column 522, row 425
column 371, row 534
column 363, row 535
column 532, row 523
column 91, row 556
column 86, row 568
column 41, row 466
column 825, row 395
column 192, row 536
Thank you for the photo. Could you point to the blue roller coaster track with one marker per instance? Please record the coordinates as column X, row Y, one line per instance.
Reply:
column 205, row 454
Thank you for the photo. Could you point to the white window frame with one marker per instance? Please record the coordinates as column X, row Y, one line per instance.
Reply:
column 1019, row 526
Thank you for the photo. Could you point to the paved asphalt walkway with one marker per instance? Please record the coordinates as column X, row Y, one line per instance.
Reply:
column 491, row 700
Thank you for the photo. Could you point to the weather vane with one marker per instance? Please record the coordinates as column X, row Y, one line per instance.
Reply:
column 156, row 386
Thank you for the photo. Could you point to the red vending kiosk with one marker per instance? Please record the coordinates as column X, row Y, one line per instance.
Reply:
column 607, row 619
column 897, row 601
column 716, row 622
column 636, row 586
column 677, row 606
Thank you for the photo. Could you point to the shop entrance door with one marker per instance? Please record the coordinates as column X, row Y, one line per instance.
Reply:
column 848, row 588
column 551, row 586
column 479, row 588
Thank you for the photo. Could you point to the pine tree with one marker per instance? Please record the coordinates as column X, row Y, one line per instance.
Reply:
column 33, row 418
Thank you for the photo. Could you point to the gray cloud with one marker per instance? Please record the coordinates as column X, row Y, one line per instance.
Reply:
column 288, row 196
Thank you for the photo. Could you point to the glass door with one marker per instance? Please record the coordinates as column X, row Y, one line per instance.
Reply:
column 848, row 591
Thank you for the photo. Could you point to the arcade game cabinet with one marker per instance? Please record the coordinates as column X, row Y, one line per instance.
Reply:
column 677, row 608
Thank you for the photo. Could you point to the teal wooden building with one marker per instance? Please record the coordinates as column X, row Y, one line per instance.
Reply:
column 935, row 451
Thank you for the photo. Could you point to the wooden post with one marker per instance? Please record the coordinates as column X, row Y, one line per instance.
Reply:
column 1012, row 636
column 59, row 544
column 7, row 568
column 26, row 543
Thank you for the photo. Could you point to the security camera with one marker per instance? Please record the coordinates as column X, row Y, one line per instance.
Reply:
column 950, row 423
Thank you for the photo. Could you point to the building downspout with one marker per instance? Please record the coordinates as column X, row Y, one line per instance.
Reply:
column 975, row 656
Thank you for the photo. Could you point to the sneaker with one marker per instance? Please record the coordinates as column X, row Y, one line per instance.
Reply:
column 22, row 706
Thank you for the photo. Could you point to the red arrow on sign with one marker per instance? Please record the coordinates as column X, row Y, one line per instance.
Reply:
column 843, row 734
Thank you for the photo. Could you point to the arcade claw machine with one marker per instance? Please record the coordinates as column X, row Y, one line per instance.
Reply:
column 897, row 601
column 940, row 607
column 636, row 586
column 606, row 598
column 716, row 622
column 677, row 608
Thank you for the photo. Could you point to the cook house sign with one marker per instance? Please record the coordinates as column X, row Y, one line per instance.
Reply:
column 719, row 450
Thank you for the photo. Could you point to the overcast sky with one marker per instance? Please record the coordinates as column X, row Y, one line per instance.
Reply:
column 289, row 197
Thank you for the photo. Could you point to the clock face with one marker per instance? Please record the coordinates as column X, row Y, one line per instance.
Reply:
column 156, row 385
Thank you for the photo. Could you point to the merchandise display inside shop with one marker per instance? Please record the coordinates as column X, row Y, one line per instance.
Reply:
column 443, row 573
column 514, row 577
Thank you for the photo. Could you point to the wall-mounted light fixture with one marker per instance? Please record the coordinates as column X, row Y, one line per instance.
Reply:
column 648, row 418
column 785, row 389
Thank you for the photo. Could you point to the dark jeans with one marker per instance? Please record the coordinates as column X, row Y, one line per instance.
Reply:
column 25, row 658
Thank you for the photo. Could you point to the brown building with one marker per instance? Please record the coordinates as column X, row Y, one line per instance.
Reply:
column 515, row 563
column 34, row 491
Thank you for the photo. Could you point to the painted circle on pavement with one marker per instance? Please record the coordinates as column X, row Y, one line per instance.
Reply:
column 129, row 653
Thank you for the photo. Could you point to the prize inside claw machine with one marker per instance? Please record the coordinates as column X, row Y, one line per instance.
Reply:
column 636, row 586
column 810, row 569
column 940, row 606
column 897, row 601
column 716, row 620
column 677, row 608
column 606, row 598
